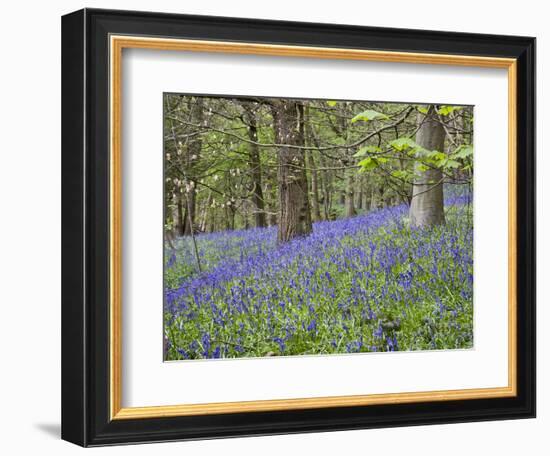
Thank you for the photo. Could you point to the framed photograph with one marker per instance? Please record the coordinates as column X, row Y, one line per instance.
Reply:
column 279, row 227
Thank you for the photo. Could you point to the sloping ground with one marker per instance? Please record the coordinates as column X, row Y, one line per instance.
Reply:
column 366, row 283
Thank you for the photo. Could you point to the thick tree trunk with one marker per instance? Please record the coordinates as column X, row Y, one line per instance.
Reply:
column 427, row 198
column 294, row 210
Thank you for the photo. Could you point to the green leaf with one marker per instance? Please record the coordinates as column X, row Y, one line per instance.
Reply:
column 464, row 151
column 368, row 164
column 450, row 163
column 401, row 144
column 422, row 167
column 447, row 163
column 436, row 155
column 422, row 109
column 367, row 150
column 445, row 110
column 332, row 103
column 400, row 174
column 371, row 163
column 368, row 115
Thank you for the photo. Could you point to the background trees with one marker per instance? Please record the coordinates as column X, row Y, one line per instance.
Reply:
column 237, row 163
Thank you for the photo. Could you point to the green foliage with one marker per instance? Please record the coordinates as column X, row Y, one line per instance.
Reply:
column 370, row 163
column 367, row 150
column 446, row 110
column 222, row 170
column 369, row 115
column 462, row 152
column 402, row 144
column 402, row 174
column 449, row 163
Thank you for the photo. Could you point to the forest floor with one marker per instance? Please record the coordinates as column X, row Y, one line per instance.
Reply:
column 362, row 284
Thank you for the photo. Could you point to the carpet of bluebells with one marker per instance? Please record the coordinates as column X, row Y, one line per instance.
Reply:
column 363, row 284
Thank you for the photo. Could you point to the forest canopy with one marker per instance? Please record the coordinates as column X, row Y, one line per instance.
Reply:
column 233, row 163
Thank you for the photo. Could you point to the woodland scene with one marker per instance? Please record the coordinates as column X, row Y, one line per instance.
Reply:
column 316, row 227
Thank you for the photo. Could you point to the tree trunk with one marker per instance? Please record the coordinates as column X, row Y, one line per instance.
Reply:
column 427, row 199
column 310, row 161
column 272, row 206
column 350, row 194
column 255, row 167
column 316, row 213
column 366, row 200
column 189, row 210
column 204, row 213
column 343, row 197
column 374, row 199
column 359, row 202
column 294, row 210
column 180, row 224
column 193, row 155
column 326, row 188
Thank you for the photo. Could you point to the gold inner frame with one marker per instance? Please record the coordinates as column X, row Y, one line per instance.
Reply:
column 117, row 44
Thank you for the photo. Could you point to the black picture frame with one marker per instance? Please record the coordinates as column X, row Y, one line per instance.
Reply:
column 85, row 228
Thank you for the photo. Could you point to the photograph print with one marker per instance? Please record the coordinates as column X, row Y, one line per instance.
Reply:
column 315, row 227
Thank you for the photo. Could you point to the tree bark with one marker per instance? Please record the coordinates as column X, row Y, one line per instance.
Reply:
column 193, row 155
column 427, row 198
column 359, row 202
column 204, row 213
column 255, row 167
column 316, row 212
column 373, row 200
column 350, row 193
column 294, row 211
column 189, row 210
column 310, row 162
column 180, row 211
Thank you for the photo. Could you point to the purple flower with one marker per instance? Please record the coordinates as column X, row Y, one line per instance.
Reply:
column 312, row 325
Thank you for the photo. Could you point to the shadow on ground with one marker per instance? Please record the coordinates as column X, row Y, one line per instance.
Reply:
column 51, row 429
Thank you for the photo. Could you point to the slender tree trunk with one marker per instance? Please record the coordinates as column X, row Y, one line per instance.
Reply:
column 343, row 197
column 294, row 211
column 316, row 213
column 193, row 155
column 204, row 213
column 350, row 194
column 255, row 167
column 310, row 138
column 326, row 188
column 272, row 218
column 427, row 199
column 366, row 200
column 189, row 210
column 372, row 206
column 180, row 224
column 359, row 203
